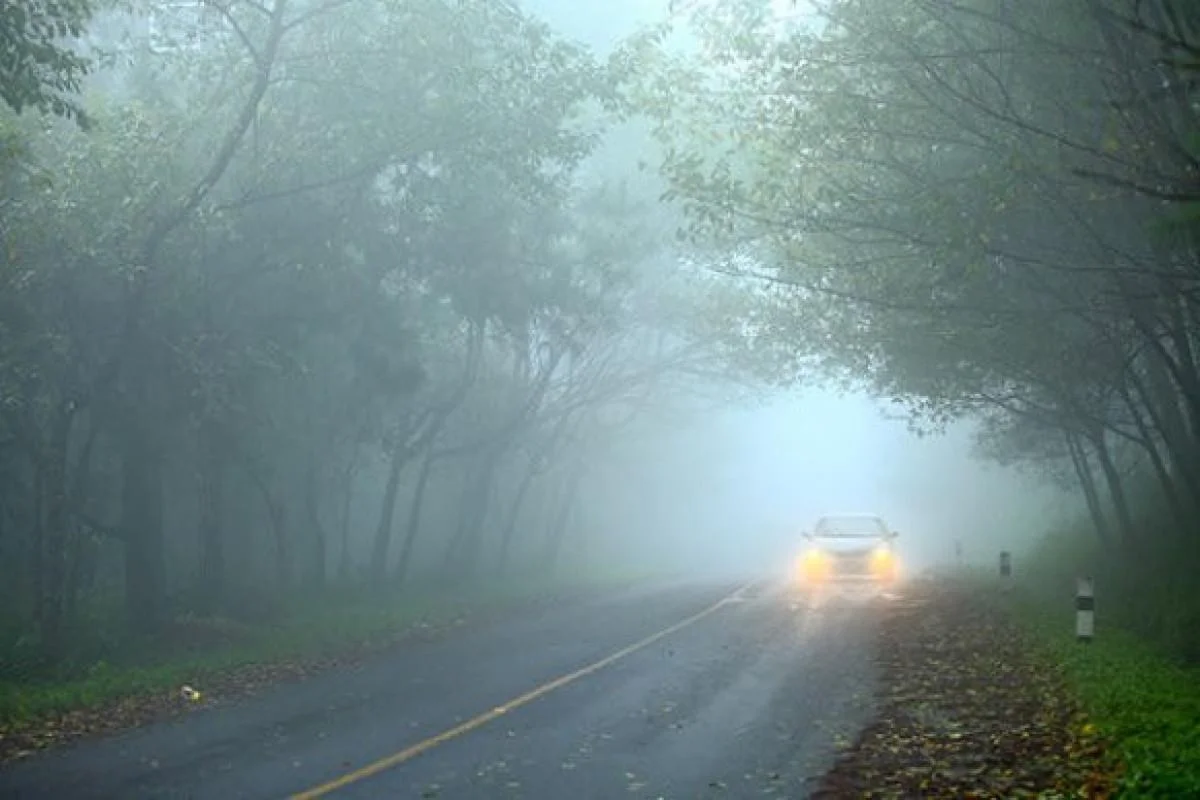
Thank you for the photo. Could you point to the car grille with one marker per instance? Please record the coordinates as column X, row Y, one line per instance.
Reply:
column 852, row 564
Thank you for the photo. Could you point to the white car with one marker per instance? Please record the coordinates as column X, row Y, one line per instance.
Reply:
column 848, row 548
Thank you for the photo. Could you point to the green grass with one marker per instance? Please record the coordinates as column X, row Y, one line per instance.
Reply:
column 313, row 628
column 1142, row 700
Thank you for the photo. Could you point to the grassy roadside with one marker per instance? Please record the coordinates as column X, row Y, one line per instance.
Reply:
column 966, row 709
column 224, row 661
column 1143, row 703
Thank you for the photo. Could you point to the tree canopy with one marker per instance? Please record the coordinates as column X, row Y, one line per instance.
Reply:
column 978, row 209
column 322, row 295
column 39, row 69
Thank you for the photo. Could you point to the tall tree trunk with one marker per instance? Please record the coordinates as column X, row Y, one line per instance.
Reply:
column 471, row 551
column 283, row 545
column 508, row 532
column 1116, row 489
column 37, row 539
column 212, row 505
column 424, row 442
column 1087, row 481
column 462, row 554
column 561, row 523
column 1161, row 403
column 387, row 512
column 142, row 522
column 312, row 512
column 413, row 527
column 81, row 547
column 343, row 516
column 56, row 534
column 1186, row 382
column 344, row 519
column 1176, row 361
column 1185, row 355
column 1165, row 481
column 277, row 514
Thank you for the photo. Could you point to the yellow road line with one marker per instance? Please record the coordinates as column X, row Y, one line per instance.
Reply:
column 408, row 753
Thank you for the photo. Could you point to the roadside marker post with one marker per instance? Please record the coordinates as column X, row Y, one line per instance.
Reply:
column 1006, row 570
column 1085, row 609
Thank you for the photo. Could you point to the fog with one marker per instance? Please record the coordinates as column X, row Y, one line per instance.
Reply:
column 736, row 488
column 459, row 297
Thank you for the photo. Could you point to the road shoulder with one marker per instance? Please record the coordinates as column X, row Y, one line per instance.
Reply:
column 968, row 708
column 87, row 709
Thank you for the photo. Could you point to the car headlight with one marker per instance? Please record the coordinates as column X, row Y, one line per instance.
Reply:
column 883, row 562
column 814, row 564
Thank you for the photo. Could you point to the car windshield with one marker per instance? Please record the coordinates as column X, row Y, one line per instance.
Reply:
column 850, row 526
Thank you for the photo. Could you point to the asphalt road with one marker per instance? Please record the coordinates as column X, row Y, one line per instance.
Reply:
column 679, row 691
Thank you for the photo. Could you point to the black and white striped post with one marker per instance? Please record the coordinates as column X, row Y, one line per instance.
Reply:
column 1085, row 609
column 1005, row 571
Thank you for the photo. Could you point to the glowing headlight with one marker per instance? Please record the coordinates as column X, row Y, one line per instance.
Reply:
column 883, row 562
column 814, row 565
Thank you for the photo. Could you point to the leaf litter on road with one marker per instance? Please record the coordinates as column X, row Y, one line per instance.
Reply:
column 967, row 711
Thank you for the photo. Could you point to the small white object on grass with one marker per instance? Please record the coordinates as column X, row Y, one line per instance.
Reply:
column 1085, row 609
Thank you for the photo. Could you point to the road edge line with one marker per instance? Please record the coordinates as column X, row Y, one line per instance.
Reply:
column 478, row 721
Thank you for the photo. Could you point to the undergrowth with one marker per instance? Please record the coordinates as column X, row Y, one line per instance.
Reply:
column 107, row 667
column 1143, row 701
column 1139, row 678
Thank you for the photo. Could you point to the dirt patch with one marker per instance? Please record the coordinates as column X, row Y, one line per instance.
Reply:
column 967, row 711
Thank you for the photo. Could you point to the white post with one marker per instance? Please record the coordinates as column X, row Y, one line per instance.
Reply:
column 1005, row 571
column 1085, row 609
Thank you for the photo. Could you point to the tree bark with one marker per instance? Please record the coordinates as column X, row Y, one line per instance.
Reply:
column 471, row 551
column 383, row 531
column 312, row 512
column 81, row 549
column 142, row 522
column 558, row 530
column 344, row 517
column 462, row 554
column 413, row 528
column 283, row 545
column 277, row 514
column 508, row 532
column 1116, row 489
column 37, row 537
column 1087, row 482
column 1161, row 404
column 212, row 505
column 56, row 535
column 1166, row 482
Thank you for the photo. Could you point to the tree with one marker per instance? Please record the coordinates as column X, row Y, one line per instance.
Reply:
column 39, row 68
column 955, row 205
column 321, row 247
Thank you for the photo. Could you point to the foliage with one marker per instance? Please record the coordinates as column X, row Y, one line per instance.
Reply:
column 1137, row 679
column 1137, row 698
column 958, row 207
column 312, row 273
column 38, row 67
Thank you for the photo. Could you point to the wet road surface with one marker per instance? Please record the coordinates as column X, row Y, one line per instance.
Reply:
column 670, row 691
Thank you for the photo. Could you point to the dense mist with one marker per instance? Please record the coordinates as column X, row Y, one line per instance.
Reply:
column 411, row 297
